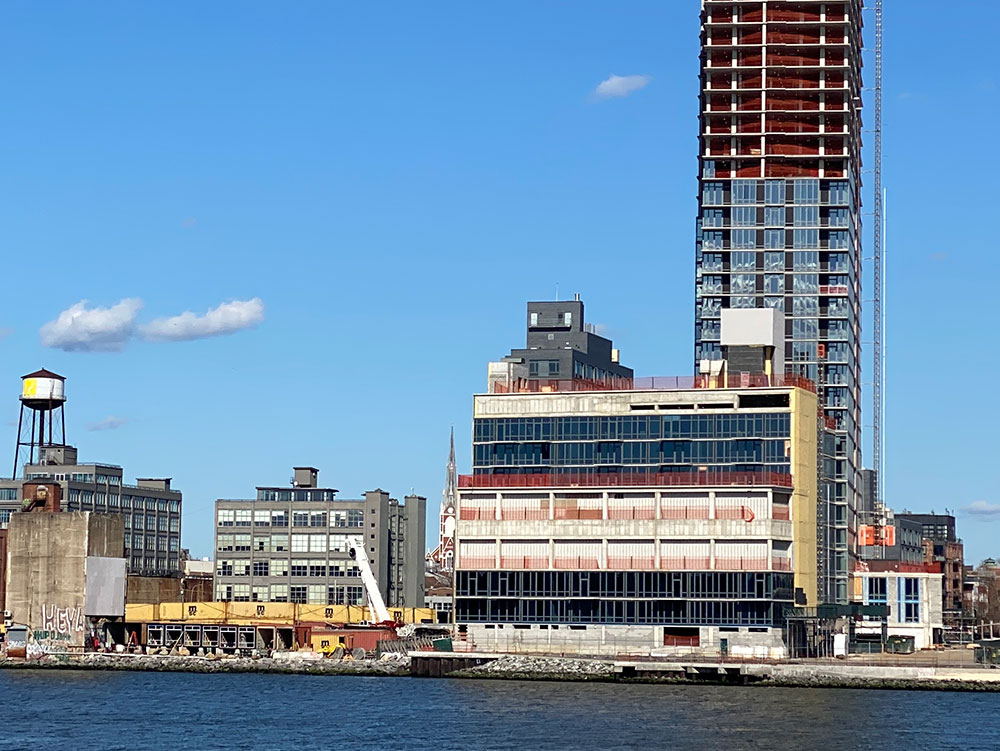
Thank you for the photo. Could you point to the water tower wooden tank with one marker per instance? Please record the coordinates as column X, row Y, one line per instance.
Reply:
column 42, row 421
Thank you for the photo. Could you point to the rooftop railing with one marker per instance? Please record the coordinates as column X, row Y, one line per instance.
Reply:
column 655, row 383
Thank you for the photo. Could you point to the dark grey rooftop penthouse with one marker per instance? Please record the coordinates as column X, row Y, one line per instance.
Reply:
column 561, row 345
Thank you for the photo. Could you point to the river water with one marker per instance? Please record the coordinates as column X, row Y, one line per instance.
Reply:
column 46, row 709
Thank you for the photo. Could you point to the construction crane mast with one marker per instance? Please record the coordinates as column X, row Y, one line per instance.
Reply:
column 356, row 548
column 878, row 517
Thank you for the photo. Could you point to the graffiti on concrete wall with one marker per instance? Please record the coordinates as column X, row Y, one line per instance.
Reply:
column 34, row 650
column 58, row 631
column 62, row 622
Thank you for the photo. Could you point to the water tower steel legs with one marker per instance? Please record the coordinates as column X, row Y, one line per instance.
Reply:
column 31, row 445
column 34, row 434
column 17, row 446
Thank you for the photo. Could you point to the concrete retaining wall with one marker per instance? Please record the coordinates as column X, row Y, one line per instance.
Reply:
column 47, row 575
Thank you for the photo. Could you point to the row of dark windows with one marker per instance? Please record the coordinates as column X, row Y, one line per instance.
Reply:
column 632, row 427
column 617, row 612
column 633, row 473
column 739, row 585
column 681, row 451
column 273, row 494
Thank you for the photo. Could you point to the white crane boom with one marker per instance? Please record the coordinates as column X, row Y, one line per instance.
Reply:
column 356, row 547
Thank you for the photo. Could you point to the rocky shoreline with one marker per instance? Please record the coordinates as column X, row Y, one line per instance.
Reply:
column 525, row 668
column 389, row 665
column 884, row 684
column 520, row 667
column 539, row 668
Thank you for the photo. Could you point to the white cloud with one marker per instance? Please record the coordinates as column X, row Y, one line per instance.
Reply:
column 983, row 508
column 227, row 318
column 5, row 332
column 619, row 86
column 83, row 329
column 108, row 423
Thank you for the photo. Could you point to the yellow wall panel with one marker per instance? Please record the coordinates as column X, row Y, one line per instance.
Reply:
column 278, row 613
column 805, row 493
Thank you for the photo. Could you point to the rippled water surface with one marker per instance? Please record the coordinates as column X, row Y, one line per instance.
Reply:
column 144, row 712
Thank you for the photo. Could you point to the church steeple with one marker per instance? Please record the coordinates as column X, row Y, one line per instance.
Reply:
column 444, row 554
column 451, row 485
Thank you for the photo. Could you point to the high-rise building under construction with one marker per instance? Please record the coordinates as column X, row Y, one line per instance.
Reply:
column 779, row 222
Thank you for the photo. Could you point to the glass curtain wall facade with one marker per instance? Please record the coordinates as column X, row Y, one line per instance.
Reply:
column 779, row 221
column 632, row 445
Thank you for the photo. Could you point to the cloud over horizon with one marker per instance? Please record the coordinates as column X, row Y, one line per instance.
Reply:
column 95, row 329
column 983, row 508
column 108, row 423
column 83, row 329
column 620, row 86
column 227, row 318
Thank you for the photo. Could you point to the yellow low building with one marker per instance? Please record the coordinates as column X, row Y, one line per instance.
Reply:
column 272, row 613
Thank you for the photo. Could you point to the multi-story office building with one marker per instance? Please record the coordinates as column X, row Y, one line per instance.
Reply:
column 290, row 544
column 779, row 221
column 639, row 514
column 151, row 509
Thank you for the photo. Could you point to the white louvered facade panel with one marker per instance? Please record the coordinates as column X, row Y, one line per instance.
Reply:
column 473, row 554
column 518, row 509
column 685, row 556
column 578, row 555
column 747, row 507
column 524, row 554
column 750, row 555
column 476, row 509
column 631, row 555
column 632, row 508
column 684, row 507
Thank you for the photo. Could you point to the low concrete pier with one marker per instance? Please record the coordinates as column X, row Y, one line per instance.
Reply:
column 440, row 664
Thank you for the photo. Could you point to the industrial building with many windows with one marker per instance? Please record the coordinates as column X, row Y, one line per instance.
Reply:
column 631, row 514
column 779, row 222
column 151, row 509
column 290, row 544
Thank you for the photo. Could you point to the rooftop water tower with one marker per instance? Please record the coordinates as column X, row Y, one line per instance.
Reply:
column 42, row 421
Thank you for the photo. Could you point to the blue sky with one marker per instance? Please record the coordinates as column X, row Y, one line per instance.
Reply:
column 373, row 190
